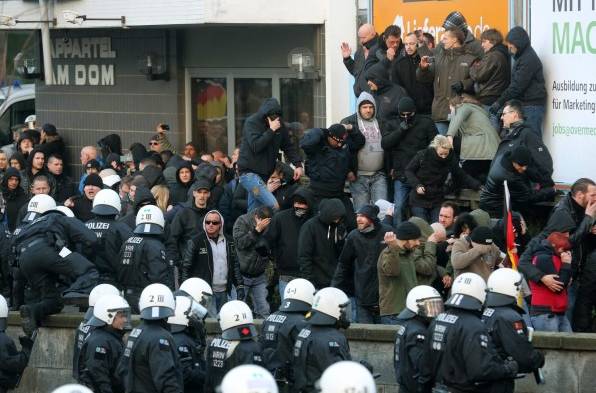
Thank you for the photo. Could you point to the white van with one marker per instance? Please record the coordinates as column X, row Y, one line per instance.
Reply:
column 16, row 103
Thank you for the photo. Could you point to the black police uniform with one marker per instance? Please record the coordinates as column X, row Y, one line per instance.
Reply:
column 150, row 361
column 408, row 353
column 278, row 335
column 12, row 362
column 111, row 235
column 460, row 354
column 510, row 335
column 80, row 335
column 190, row 344
column 99, row 359
column 243, row 350
column 39, row 245
column 143, row 262
column 317, row 347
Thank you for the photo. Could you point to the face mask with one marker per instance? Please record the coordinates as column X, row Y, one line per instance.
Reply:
column 407, row 121
column 368, row 229
column 299, row 212
column 369, row 43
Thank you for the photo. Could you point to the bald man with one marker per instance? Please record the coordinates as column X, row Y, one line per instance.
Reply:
column 88, row 153
column 367, row 38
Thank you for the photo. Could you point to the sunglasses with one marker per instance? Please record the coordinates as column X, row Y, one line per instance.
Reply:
column 207, row 222
column 153, row 143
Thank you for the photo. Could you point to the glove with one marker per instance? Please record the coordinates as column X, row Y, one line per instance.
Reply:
column 511, row 366
column 457, row 87
column 241, row 292
column 366, row 364
column 26, row 344
column 494, row 109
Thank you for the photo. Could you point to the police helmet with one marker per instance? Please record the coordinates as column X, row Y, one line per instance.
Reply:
column 110, row 180
column 503, row 287
column 424, row 301
column 236, row 321
column 106, row 308
column 156, row 302
column 248, row 378
column 346, row 376
column 330, row 306
column 179, row 320
column 96, row 293
column 468, row 292
column 149, row 220
column 298, row 296
column 3, row 313
column 198, row 289
column 41, row 203
column 65, row 210
column 72, row 388
column 106, row 203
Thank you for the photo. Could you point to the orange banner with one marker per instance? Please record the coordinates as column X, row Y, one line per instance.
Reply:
column 429, row 15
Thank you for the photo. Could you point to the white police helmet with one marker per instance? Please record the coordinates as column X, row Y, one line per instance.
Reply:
column 110, row 180
column 298, row 296
column 106, row 203
column 72, row 388
column 468, row 292
column 180, row 317
column 504, row 287
column 149, row 220
column 331, row 306
column 106, row 308
column 65, row 210
column 236, row 321
column 156, row 302
column 198, row 289
column 96, row 293
column 41, row 203
column 346, row 376
column 423, row 300
column 248, row 378
column 3, row 313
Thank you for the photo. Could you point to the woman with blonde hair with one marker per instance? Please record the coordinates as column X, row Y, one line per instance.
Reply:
column 427, row 173
column 161, row 194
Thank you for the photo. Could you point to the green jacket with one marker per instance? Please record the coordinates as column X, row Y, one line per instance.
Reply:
column 479, row 139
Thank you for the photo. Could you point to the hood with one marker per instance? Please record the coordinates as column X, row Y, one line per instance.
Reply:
column 176, row 161
column 270, row 105
column 218, row 165
column 10, row 172
column 287, row 172
column 379, row 74
column 221, row 227
column 425, row 228
column 187, row 165
column 30, row 157
column 138, row 152
column 307, row 195
column 331, row 209
column 169, row 174
column 482, row 218
column 110, row 144
column 206, row 171
column 518, row 37
column 365, row 96
column 143, row 196
column 153, row 175
column 20, row 158
column 111, row 158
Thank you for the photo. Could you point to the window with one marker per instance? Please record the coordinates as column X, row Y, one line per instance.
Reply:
column 209, row 113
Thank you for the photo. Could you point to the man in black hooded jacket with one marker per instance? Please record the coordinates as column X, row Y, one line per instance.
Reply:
column 320, row 242
column 386, row 93
column 263, row 135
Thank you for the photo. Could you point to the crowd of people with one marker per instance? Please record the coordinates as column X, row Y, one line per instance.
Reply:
column 312, row 232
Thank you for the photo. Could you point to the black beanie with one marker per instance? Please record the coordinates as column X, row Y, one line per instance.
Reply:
column 406, row 104
column 369, row 211
column 94, row 180
column 337, row 131
column 521, row 155
column 407, row 231
column 482, row 235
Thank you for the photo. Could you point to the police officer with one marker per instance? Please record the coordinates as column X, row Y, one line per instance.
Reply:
column 423, row 303
column 45, row 250
column 503, row 318
column 72, row 388
column 347, row 376
column 236, row 346
column 143, row 256
column 84, row 328
column 281, row 328
column 37, row 205
column 248, row 378
column 150, row 360
column 12, row 362
column 461, row 355
column 320, row 343
column 103, row 346
column 190, row 350
column 110, row 233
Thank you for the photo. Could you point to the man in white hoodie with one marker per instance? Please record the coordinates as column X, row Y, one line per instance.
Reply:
column 368, row 183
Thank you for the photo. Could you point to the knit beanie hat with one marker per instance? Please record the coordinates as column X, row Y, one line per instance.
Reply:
column 406, row 104
column 369, row 211
column 521, row 155
column 482, row 235
column 457, row 20
column 337, row 131
column 407, row 231
column 94, row 180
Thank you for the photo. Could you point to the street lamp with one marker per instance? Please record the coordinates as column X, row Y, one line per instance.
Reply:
column 6, row 20
column 78, row 19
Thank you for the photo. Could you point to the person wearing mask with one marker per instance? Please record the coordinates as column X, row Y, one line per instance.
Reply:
column 357, row 263
column 367, row 38
column 14, row 197
column 150, row 361
column 65, row 187
column 211, row 256
column 283, row 232
column 12, row 361
column 527, row 81
column 368, row 180
column 476, row 253
column 82, row 205
column 402, row 141
column 423, row 304
column 320, row 242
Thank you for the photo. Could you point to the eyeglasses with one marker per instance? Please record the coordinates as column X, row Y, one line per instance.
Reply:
column 207, row 222
column 153, row 143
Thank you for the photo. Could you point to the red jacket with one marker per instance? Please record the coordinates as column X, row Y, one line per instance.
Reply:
column 543, row 299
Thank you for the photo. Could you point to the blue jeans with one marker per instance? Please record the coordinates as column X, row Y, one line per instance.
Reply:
column 367, row 189
column 400, row 199
column 389, row 319
column 534, row 115
column 258, row 194
column 551, row 323
column 257, row 288
column 429, row 215
column 219, row 299
column 366, row 315
column 442, row 127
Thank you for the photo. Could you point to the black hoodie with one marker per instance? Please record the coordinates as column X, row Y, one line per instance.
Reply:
column 14, row 199
column 260, row 145
column 320, row 243
column 388, row 94
column 179, row 190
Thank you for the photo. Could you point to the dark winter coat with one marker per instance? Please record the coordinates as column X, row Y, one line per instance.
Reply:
column 251, row 246
column 143, row 196
column 232, row 204
column 56, row 147
column 153, row 175
column 14, row 199
column 355, row 67
column 378, row 55
column 179, row 190
column 186, row 225
column 65, row 188
column 388, row 94
column 404, row 74
column 492, row 74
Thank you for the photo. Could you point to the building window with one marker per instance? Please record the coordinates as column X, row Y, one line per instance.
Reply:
column 209, row 113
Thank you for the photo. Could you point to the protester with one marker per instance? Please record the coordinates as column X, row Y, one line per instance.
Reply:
column 367, row 38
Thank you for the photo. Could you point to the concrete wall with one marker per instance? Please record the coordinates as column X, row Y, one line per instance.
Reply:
column 570, row 358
